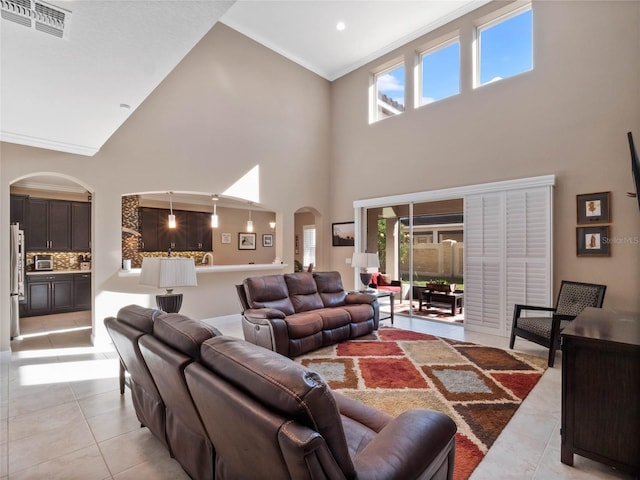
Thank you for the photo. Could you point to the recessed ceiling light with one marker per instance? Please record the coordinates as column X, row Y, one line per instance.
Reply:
column 340, row 26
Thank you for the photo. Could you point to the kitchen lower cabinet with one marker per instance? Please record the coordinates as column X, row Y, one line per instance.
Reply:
column 57, row 293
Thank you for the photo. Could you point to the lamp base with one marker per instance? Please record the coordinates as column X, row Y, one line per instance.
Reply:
column 366, row 279
column 170, row 302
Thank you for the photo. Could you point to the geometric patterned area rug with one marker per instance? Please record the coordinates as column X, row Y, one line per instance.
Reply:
column 433, row 313
column 395, row 370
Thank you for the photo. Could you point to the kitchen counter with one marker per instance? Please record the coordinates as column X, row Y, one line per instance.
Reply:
column 56, row 272
column 135, row 272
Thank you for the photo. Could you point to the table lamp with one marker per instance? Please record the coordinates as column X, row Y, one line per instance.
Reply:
column 168, row 273
column 365, row 261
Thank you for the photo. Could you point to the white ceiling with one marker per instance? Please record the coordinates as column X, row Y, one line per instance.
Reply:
column 67, row 94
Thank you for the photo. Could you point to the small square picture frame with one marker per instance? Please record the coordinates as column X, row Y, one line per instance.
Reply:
column 225, row 238
column 267, row 240
column 593, row 241
column 246, row 241
column 594, row 208
column 343, row 234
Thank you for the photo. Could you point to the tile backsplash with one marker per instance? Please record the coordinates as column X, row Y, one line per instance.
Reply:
column 61, row 260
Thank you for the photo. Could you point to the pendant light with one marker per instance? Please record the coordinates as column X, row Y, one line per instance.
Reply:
column 250, row 222
column 172, row 217
column 214, row 215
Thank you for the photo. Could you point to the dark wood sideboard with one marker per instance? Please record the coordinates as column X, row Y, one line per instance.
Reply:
column 601, row 389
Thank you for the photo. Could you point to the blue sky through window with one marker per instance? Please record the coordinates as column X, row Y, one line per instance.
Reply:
column 392, row 84
column 441, row 73
column 506, row 49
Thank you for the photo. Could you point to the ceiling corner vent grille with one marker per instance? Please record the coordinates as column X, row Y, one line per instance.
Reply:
column 37, row 15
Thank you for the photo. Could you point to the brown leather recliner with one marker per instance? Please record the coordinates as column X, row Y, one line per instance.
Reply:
column 270, row 417
column 296, row 313
column 174, row 345
column 131, row 323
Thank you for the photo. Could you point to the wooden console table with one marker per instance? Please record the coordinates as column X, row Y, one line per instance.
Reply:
column 601, row 388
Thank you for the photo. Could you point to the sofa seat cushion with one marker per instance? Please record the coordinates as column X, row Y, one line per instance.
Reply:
column 269, row 291
column 334, row 317
column 359, row 312
column 303, row 291
column 300, row 325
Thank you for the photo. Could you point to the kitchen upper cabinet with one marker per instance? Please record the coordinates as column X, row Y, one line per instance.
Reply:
column 192, row 232
column 81, row 226
column 199, row 235
column 48, row 225
column 18, row 210
column 173, row 238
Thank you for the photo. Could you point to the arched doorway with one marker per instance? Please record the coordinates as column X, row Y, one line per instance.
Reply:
column 307, row 253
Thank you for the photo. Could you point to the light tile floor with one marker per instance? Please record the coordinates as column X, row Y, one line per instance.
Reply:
column 62, row 417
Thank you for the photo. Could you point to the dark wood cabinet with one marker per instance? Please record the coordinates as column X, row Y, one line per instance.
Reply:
column 48, row 225
column 199, row 235
column 82, row 291
column 57, row 293
column 80, row 226
column 601, row 388
column 192, row 232
column 18, row 210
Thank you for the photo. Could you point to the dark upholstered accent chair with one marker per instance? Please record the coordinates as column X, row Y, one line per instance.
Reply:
column 175, row 343
column 269, row 417
column 131, row 323
column 572, row 299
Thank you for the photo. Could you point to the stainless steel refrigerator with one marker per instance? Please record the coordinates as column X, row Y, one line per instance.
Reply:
column 16, row 244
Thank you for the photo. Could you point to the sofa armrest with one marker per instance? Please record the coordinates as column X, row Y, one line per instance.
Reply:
column 409, row 447
column 263, row 313
column 357, row 297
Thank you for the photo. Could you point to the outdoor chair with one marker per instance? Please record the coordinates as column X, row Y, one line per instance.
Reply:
column 572, row 299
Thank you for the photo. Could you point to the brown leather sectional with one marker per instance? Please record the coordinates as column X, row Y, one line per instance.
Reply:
column 229, row 409
column 296, row 313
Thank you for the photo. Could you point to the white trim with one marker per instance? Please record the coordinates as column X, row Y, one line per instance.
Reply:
column 454, row 192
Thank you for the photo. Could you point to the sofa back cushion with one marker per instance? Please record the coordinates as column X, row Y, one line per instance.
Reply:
column 268, row 291
column 183, row 333
column 330, row 288
column 138, row 317
column 303, row 291
column 283, row 386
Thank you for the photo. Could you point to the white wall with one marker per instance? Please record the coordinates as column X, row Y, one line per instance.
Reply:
column 230, row 105
column 568, row 117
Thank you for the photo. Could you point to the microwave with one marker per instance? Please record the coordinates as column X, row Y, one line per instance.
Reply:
column 42, row 263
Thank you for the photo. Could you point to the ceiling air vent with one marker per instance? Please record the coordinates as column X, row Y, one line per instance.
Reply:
column 37, row 15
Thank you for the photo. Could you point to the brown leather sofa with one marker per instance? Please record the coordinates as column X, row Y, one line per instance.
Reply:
column 234, row 410
column 154, row 348
column 270, row 417
column 296, row 313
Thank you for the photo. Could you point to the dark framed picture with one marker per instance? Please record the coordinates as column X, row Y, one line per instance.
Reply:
column 267, row 240
column 594, row 208
column 593, row 241
column 343, row 234
column 246, row 241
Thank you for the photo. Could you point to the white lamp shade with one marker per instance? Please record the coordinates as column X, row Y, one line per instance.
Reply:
column 365, row 260
column 168, row 272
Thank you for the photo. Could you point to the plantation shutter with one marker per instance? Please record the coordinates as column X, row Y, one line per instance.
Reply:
column 483, row 262
column 308, row 245
column 528, row 253
column 507, row 256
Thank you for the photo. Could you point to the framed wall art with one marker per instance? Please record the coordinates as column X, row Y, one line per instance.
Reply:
column 594, row 208
column 343, row 234
column 267, row 240
column 246, row 241
column 593, row 241
column 225, row 238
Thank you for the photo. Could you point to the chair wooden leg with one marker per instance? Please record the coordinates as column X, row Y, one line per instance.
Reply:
column 552, row 355
column 121, row 379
